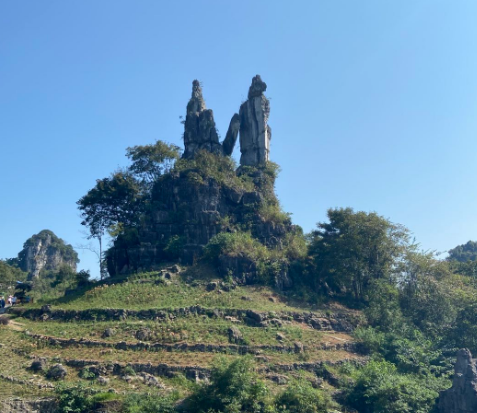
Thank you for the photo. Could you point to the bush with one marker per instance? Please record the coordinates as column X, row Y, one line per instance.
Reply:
column 74, row 399
column 141, row 403
column 379, row 388
column 235, row 244
column 233, row 388
column 174, row 247
column 301, row 397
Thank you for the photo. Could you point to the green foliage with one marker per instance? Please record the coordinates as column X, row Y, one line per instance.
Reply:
column 384, row 308
column 301, row 397
column 271, row 211
column 463, row 253
column 354, row 249
column 74, row 399
column 147, row 403
column 234, row 387
column 9, row 274
column 174, row 247
column 113, row 201
column 207, row 165
column 235, row 244
column 149, row 162
column 379, row 388
column 464, row 331
column 425, row 296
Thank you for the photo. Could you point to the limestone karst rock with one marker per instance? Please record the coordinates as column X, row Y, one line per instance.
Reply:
column 255, row 134
column 200, row 131
column 45, row 251
column 208, row 195
column 231, row 137
column 199, row 127
column 462, row 396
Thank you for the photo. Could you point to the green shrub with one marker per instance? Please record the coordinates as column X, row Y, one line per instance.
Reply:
column 235, row 244
column 301, row 397
column 174, row 247
column 379, row 388
column 234, row 387
column 147, row 403
column 74, row 399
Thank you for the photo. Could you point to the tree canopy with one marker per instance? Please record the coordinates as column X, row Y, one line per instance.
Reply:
column 355, row 248
column 463, row 253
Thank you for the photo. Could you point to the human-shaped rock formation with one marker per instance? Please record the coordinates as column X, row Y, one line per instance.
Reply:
column 462, row 396
column 200, row 131
column 199, row 128
column 255, row 134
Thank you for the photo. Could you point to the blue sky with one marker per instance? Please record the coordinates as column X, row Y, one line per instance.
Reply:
column 373, row 103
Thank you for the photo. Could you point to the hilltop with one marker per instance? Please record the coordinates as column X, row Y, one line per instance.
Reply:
column 212, row 300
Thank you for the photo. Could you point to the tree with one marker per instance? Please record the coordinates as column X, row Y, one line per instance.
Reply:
column 9, row 275
column 354, row 249
column 113, row 204
column 234, row 387
column 426, row 298
column 463, row 253
column 149, row 162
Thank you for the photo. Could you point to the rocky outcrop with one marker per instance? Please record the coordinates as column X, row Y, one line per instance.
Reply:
column 14, row 405
column 199, row 127
column 46, row 252
column 339, row 321
column 200, row 132
column 205, row 194
column 255, row 134
column 462, row 396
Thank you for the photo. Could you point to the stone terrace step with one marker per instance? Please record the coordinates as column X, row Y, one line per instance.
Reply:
column 195, row 347
column 340, row 322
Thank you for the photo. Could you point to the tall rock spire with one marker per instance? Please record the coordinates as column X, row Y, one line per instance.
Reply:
column 255, row 134
column 199, row 127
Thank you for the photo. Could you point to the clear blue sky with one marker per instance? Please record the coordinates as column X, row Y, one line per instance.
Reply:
column 373, row 103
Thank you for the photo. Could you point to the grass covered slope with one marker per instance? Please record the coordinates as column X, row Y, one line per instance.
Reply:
column 175, row 349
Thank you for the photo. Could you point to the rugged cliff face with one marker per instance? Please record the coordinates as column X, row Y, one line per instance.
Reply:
column 206, row 194
column 462, row 396
column 46, row 252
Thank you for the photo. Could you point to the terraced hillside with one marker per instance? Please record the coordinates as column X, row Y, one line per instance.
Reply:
column 163, row 331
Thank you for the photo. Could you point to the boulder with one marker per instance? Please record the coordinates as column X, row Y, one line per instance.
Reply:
column 235, row 335
column 38, row 365
column 211, row 286
column 298, row 347
column 103, row 381
column 144, row 334
column 57, row 372
column 109, row 332
column 150, row 380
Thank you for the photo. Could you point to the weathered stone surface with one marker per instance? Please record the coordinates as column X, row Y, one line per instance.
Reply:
column 45, row 251
column 280, row 379
column 38, row 365
column 280, row 336
column 255, row 134
column 103, row 381
column 56, row 372
column 232, row 134
column 150, row 380
column 144, row 334
column 109, row 332
column 298, row 347
column 235, row 335
column 199, row 127
column 13, row 405
column 462, row 396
